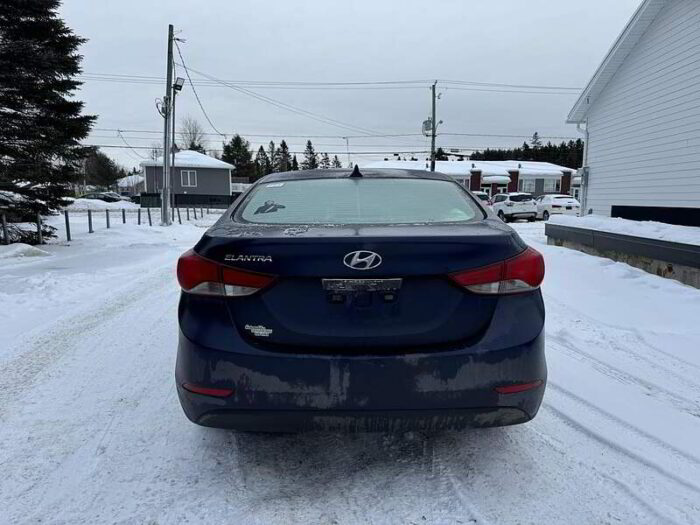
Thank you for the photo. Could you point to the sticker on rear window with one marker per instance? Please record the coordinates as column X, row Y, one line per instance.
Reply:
column 274, row 185
column 259, row 330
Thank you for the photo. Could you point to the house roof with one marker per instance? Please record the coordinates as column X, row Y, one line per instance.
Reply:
column 130, row 180
column 191, row 159
column 488, row 168
column 633, row 31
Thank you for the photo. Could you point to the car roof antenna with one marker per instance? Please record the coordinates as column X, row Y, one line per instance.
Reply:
column 356, row 172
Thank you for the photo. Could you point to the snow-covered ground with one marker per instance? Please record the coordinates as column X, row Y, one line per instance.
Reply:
column 96, row 204
column 647, row 229
column 91, row 430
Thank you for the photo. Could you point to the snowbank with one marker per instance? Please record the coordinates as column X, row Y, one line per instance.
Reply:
column 21, row 250
column 647, row 229
column 94, row 204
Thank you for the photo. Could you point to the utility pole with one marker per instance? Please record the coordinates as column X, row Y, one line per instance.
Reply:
column 433, row 131
column 165, row 196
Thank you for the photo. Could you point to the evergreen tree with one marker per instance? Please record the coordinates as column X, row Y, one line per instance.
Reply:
column 282, row 160
column 310, row 161
column 295, row 164
column 336, row 162
column 195, row 146
column 102, row 171
column 568, row 154
column 536, row 143
column 41, row 123
column 262, row 163
column 325, row 162
column 271, row 155
column 237, row 152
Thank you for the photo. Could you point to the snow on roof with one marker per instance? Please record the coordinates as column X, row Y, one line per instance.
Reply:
column 633, row 31
column 487, row 168
column 191, row 159
column 130, row 180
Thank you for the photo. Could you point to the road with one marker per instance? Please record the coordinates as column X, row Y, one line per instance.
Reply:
column 91, row 430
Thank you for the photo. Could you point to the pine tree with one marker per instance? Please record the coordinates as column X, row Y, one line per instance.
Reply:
column 262, row 163
column 282, row 160
column 237, row 152
column 295, row 164
column 271, row 155
column 336, row 162
column 41, row 123
column 536, row 142
column 310, row 161
column 325, row 162
column 102, row 171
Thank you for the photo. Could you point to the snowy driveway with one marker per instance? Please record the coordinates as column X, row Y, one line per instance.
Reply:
column 91, row 430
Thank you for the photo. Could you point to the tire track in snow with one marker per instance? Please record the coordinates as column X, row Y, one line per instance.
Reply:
column 688, row 406
column 573, row 423
column 611, row 417
column 46, row 348
column 623, row 487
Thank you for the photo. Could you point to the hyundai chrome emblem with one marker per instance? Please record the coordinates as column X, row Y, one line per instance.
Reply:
column 362, row 260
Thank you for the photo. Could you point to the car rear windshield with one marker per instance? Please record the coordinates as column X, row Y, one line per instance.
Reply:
column 520, row 198
column 482, row 196
column 358, row 201
column 563, row 197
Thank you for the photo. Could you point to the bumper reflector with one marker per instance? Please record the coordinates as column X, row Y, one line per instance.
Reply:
column 207, row 391
column 518, row 387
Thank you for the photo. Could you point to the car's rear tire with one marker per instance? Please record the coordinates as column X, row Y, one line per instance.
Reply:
column 502, row 216
column 545, row 215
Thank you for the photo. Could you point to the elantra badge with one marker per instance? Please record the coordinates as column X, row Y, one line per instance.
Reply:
column 362, row 260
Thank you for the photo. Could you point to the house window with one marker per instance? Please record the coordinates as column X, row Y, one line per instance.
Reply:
column 552, row 185
column 526, row 185
column 486, row 189
column 188, row 178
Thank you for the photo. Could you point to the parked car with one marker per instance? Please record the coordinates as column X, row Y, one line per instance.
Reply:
column 511, row 206
column 548, row 205
column 383, row 300
column 483, row 196
column 106, row 196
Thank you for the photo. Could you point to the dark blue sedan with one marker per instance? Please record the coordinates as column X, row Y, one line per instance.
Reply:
column 344, row 300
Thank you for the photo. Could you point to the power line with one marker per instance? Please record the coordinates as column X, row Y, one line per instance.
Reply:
column 316, row 84
column 129, row 145
column 314, row 116
column 187, row 71
column 378, row 135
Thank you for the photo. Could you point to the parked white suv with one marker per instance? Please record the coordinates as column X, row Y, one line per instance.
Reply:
column 556, row 204
column 511, row 206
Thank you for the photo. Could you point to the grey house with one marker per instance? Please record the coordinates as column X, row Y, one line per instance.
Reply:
column 195, row 179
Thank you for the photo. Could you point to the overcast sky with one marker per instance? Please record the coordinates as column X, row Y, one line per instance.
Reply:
column 535, row 43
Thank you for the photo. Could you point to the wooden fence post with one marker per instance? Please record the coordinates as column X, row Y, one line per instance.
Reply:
column 139, row 219
column 90, row 221
column 172, row 214
column 188, row 213
column 123, row 216
column 179, row 219
column 5, row 233
column 107, row 215
column 150, row 222
column 194, row 210
column 201, row 212
column 65, row 212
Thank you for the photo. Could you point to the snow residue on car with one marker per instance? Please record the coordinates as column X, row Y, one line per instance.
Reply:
column 647, row 229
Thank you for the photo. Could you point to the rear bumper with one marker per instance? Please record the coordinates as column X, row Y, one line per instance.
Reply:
column 521, row 215
column 362, row 421
column 283, row 392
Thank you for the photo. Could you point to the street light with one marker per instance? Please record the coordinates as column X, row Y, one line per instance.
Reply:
column 179, row 84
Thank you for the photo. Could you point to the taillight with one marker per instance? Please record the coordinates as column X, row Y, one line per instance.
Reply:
column 201, row 276
column 522, row 273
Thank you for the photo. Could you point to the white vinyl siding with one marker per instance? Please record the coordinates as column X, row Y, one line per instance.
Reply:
column 644, row 145
column 188, row 178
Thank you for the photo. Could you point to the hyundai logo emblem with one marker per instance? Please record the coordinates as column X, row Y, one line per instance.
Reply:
column 362, row 260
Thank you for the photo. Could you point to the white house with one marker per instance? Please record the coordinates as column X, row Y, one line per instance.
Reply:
column 498, row 176
column 641, row 113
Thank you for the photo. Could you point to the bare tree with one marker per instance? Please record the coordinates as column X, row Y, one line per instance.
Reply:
column 156, row 151
column 192, row 134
